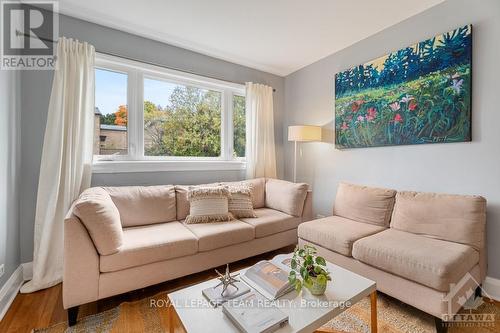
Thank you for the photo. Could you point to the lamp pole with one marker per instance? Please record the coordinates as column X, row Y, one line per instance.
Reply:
column 295, row 163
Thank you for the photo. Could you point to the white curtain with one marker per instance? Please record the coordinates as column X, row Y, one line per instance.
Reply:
column 66, row 157
column 260, row 149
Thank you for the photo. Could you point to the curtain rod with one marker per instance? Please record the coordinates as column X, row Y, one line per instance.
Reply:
column 19, row 33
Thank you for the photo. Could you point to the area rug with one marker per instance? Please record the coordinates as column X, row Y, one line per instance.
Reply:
column 393, row 317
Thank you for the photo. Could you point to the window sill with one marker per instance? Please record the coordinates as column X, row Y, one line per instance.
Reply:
column 155, row 166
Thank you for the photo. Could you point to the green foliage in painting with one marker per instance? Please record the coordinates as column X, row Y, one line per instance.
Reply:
column 420, row 94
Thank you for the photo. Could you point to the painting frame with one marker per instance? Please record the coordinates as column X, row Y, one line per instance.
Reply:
column 432, row 104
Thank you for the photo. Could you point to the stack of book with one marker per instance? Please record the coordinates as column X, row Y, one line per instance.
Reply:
column 267, row 279
column 250, row 316
column 215, row 297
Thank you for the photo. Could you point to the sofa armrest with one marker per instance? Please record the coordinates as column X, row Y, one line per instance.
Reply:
column 81, row 265
column 307, row 212
column 483, row 258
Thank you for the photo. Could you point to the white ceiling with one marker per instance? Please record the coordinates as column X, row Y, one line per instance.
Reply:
column 276, row 36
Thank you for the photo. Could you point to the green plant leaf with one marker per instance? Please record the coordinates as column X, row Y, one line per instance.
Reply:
column 303, row 272
column 293, row 264
column 318, row 270
column 308, row 282
column 321, row 279
column 302, row 253
column 321, row 261
column 298, row 285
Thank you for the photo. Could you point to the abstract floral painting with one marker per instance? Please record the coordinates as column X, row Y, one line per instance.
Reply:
column 416, row 95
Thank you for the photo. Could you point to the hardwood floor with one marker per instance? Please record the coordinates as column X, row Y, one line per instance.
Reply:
column 44, row 308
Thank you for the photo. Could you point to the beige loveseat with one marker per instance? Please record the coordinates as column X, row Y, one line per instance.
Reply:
column 425, row 249
column 157, row 246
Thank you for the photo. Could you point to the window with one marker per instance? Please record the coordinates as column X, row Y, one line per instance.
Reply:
column 110, row 116
column 146, row 115
column 181, row 120
column 239, row 125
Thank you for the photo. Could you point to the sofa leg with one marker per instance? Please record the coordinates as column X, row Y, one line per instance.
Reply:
column 477, row 293
column 440, row 325
column 72, row 315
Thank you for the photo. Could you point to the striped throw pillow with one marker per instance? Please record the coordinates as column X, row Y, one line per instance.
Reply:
column 208, row 204
column 240, row 201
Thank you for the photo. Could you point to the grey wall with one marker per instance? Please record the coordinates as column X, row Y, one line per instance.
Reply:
column 36, row 86
column 466, row 168
column 171, row 177
column 9, row 175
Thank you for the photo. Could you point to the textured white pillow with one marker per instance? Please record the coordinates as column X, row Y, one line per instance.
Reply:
column 240, row 202
column 208, row 204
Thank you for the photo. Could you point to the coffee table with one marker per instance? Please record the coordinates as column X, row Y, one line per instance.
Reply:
column 190, row 312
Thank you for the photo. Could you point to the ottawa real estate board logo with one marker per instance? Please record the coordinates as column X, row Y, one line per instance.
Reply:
column 28, row 29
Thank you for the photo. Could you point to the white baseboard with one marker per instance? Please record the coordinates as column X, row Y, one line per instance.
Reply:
column 491, row 286
column 10, row 290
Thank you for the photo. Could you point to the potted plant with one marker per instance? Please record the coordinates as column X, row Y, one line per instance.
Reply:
column 308, row 270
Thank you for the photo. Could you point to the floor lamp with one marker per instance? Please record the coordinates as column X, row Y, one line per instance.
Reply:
column 302, row 133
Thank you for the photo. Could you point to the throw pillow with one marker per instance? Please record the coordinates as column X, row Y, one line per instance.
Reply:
column 240, row 202
column 208, row 204
column 101, row 218
column 182, row 200
column 285, row 196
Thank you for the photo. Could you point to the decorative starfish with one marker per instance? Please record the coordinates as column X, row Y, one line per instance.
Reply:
column 226, row 280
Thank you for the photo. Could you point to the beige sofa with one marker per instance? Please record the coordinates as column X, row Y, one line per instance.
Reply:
column 157, row 246
column 425, row 249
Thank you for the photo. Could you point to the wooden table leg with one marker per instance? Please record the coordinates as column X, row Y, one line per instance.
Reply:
column 373, row 304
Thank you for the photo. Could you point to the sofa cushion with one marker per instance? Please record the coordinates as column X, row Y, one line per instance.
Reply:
column 101, row 218
column 285, row 196
column 258, row 192
column 270, row 221
column 151, row 243
column 432, row 262
column 456, row 218
column 336, row 233
column 141, row 205
column 364, row 204
column 220, row 234
column 182, row 201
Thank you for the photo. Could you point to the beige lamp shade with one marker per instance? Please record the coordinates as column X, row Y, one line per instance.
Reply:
column 304, row 133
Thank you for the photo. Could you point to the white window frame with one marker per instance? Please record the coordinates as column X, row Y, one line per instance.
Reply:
column 135, row 160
